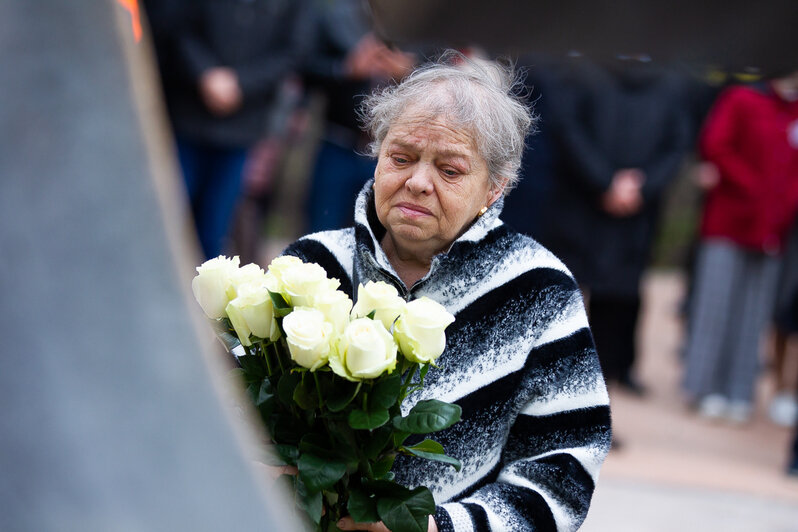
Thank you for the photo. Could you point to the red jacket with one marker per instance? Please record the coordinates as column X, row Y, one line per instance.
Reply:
column 751, row 135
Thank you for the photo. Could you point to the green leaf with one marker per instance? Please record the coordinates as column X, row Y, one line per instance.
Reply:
column 341, row 394
column 399, row 437
column 371, row 314
column 254, row 368
column 319, row 473
column 261, row 393
column 288, row 453
column 288, row 429
column 343, row 434
column 385, row 392
column 278, row 301
column 432, row 450
column 263, row 398
column 383, row 488
column 317, row 445
column 423, row 372
column 281, row 306
column 286, row 386
column 428, row 416
column 427, row 446
column 358, row 419
column 305, row 395
column 407, row 513
column 381, row 467
column 362, row 506
column 282, row 313
column 309, row 500
column 379, row 439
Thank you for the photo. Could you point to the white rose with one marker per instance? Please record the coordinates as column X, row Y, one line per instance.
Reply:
column 273, row 283
column 247, row 274
column 308, row 336
column 251, row 313
column 365, row 351
column 335, row 305
column 211, row 284
column 380, row 297
column 278, row 267
column 302, row 282
column 419, row 331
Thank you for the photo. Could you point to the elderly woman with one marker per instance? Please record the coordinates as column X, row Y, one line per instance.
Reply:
column 520, row 359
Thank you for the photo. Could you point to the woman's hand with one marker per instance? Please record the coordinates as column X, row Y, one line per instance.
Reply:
column 347, row 523
column 274, row 472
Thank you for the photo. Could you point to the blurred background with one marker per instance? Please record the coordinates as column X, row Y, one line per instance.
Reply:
column 160, row 133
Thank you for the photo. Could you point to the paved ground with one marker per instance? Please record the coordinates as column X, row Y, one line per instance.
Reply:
column 675, row 471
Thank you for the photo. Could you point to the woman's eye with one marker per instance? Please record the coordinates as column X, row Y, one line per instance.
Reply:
column 450, row 173
column 400, row 160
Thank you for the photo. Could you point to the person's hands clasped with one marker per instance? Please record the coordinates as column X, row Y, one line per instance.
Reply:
column 624, row 197
column 220, row 90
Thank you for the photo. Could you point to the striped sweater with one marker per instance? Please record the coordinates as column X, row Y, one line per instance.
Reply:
column 519, row 360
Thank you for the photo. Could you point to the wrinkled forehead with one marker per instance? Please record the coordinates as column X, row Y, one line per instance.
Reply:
column 426, row 125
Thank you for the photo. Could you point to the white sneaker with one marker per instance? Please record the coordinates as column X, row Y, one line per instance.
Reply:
column 783, row 410
column 739, row 411
column 713, row 406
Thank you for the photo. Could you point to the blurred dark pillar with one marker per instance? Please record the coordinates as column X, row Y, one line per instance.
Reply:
column 111, row 414
column 725, row 33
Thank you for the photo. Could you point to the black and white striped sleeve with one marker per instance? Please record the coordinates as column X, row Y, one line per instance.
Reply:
column 560, row 436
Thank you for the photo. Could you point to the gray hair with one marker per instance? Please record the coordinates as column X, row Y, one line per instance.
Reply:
column 480, row 96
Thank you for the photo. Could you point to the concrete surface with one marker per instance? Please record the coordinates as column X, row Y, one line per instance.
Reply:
column 676, row 471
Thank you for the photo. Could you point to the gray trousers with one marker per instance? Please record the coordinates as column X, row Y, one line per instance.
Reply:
column 732, row 304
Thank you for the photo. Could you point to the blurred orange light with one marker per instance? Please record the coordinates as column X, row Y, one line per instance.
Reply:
column 133, row 7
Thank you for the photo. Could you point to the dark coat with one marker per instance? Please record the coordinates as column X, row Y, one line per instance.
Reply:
column 608, row 120
column 338, row 27
column 262, row 40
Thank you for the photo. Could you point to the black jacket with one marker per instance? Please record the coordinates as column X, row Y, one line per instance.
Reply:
column 262, row 40
column 635, row 117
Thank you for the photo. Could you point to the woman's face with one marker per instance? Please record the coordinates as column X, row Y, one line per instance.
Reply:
column 430, row 183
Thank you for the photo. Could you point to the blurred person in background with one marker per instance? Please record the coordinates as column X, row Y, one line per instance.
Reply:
column 624, row 132
column 792, row 465
column 228, row 58
column 751, row 136
column 346, row 63
column 783, row 408
column 266, row 171
column 527, row 210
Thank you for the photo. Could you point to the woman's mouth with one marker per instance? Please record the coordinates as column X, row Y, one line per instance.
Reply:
column 412, row 210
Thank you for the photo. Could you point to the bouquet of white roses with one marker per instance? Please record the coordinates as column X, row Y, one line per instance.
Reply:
column 328, row 379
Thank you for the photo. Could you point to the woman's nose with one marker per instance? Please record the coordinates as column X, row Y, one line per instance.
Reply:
column 420, row 181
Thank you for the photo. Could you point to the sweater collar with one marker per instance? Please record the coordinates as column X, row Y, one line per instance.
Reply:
column 370, row 232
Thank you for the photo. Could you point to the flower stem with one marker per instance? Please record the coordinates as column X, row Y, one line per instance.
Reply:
column 265, row 351
column 279, row 358
column 406, row 384
column 318, row 390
